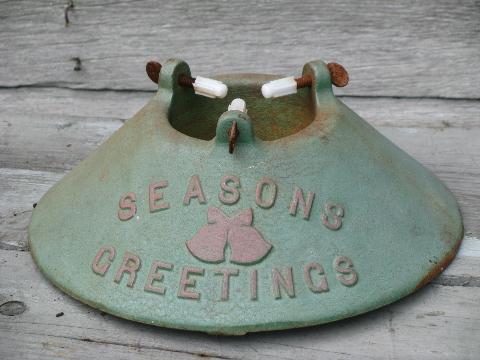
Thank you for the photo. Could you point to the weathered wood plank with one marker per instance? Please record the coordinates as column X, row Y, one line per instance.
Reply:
column 436, row 323
column 69, row 123
column 402, row 50
column 35, row 346
column 53, row 129
column 20, row 189
column 121, row 105
column 390, row 48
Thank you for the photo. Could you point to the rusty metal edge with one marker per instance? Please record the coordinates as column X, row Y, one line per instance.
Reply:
column 439, row 267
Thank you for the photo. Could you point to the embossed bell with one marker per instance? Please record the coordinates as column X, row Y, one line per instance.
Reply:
column 280, row 212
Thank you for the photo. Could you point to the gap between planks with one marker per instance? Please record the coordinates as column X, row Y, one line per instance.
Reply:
column 152, row 90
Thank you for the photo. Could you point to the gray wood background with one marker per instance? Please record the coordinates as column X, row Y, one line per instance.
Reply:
column 414, row 69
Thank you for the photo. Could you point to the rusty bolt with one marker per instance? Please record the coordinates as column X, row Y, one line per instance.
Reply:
column 338, row 76
column 185, row 80
column 232, row 137
column 304, row 81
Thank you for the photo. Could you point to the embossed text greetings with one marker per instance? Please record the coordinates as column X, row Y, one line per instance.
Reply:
column 283, row 282
column 239, row 232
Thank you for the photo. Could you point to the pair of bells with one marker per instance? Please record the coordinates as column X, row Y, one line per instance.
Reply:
column 315, row 216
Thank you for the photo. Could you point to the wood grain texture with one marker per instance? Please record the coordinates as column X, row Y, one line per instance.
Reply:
column 413, row 48
column 19, row 191
column 436, row 323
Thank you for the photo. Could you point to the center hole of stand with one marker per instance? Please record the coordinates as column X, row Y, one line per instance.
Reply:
column 272, row 119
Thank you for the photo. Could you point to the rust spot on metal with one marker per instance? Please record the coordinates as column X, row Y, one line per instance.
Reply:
column 338, row 74
column 185, row 80
column 153, row 70
column 232, row 137
column 440, row 266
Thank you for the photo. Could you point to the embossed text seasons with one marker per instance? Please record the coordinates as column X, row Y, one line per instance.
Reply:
column 229, row 194
column 282, row 279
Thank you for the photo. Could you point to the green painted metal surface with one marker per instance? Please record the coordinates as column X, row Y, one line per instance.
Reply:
column 315, row 217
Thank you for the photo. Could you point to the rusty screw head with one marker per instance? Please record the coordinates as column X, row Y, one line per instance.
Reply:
column 338, row 74
column 232, row 137
column 153, row 70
